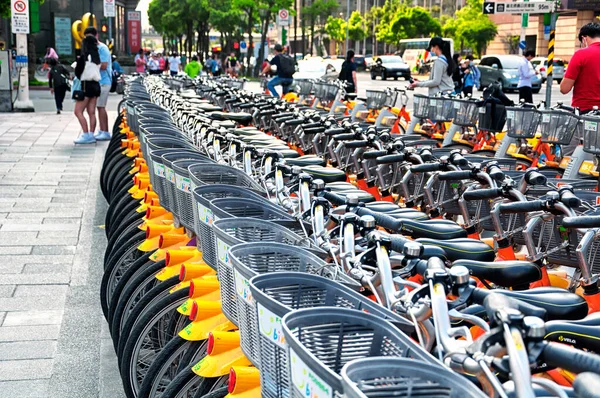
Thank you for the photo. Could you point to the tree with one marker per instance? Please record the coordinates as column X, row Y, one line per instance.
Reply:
column 357, row 29
column 471, row 28
column 336, row 29
column 319, row 9
column 512, row 42
column 414, row 22
column 268, row 8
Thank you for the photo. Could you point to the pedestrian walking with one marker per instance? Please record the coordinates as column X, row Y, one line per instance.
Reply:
column 153, row 65
column 174, row 64
column 348, row 73
column 232, row 65
column 193, row 68
column 87, row 71
column 140, row 62
column 440, row 79
column 526, row 74
column 162, row 63
column 583, row 74
column 105, row 85
column 58, row 81
column 472, row 76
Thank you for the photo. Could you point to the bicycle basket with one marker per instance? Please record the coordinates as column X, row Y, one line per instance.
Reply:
column 466, row 112
column 325, row 92
column 322, row 340
column 399, row 377
column 156, row 170
column 233, row 231
column 522, row 122
column 591, row 130
column 304, row 87
column 183, row 190
column 250, row 259
column 421, row 106
column 492, row 117
column 276, row 295
column 203, row 216
column 558, row 126
column 376, row 99
column 441, row 109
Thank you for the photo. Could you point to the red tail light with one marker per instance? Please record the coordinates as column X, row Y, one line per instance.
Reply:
column 167, row 258
column 211, row 343
column 182, row 273
column 192, row 287
column 160, row 240
column 542, row 69
column 148, row 212
column 232, row 381
column 194, row 311
column 147, row 232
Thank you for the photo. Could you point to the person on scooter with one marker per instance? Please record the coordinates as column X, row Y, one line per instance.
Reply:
column 285, row 70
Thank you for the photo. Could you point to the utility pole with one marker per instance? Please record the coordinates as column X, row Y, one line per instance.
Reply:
column 20, row 27
column 553, row 18
column 524, row 24
column 347, row 21
column 296, row 28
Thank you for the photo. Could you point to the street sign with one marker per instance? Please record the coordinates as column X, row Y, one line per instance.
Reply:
column 109, row 8
column 523, row 45
column 283, row 18
column 20, row 16
column 519, row 7
column 243, row 47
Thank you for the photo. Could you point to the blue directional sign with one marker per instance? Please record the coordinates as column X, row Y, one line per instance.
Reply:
column 522, row 45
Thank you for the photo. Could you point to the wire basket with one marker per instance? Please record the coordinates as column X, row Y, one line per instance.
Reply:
column 421, row 106
column 203, row 216
column 522, row 122
column 441, row 109
column 157, row 172
column 558, row 126
column 233, row 231
column 250, row 259
column 376, row 99
column 322, row 340
column 400, row 377
column 303, row 87
column 276, row 295
column 466, row 112
column 591, row 134
column 183, row 189
column 325, row 92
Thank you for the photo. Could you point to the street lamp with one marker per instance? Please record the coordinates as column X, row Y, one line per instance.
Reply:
column 347, row 21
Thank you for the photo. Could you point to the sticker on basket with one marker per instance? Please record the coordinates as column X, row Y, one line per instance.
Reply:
column 306, row 381
column 223, row 251
column 590, row 126
column 242, row 287
column 456, row 105
column 159, row 169
column 205, row 214
column 192, row 186
column 270, row 326
column 182, row 183
column 170, row 174
column 546, row 118
column 482, row 109
column 432, row 102
column 510, row 114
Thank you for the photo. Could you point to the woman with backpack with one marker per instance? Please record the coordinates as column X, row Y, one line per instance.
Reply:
column 87, row 72
column 348, row 73
column 58, row 81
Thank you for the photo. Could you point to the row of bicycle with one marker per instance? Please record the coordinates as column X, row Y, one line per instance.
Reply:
column 236, row 264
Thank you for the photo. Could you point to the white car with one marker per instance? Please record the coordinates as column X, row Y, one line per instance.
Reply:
column 317, row 68
column 541, row 65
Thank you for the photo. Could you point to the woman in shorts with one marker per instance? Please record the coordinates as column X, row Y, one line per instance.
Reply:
column 86, row 65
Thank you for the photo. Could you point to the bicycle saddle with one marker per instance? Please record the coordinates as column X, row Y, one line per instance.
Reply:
column 327, row 174
column 582, row 333
column 502, row 273
column 383, row 207
column 207, row 107
column 434, row 229
column 463, row 248
column 340, row 186
column 363, row 196
column 558, row 303
column 408, row 214
column 307, row 160
column 240, row 117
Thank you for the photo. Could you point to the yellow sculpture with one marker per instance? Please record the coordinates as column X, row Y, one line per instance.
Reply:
column 80, row 26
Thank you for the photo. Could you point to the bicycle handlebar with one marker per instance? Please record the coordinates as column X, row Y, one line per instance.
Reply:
column 344, row 137
column 478, row 194
column 426, row 167
column 455, row 175
column 395, row 158
column 522, row 207
column 335, row 131
column 581, row 222
column 356, row 144
column 374, row 154
column 569, row 358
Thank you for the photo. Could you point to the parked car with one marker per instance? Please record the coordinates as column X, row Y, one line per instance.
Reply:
column 360, row 62
column 369, row 60
column 504, row 69
column 541, row 65
column 316, row 68
column 390, row 66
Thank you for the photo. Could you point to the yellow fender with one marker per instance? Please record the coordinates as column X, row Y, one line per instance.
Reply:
column 290, row 97
column 174, row 258
column 156, row 235
column 201, row 289
column 224, row 351
column 244, row 382
column 207, row 317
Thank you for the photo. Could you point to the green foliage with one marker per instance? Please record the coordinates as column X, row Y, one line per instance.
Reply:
column 471, row 28
column 357, row 29
column 405, row 23
column 336, row 28
column 320, row 8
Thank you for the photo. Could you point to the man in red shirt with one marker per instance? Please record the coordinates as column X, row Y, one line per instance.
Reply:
column 583, row 72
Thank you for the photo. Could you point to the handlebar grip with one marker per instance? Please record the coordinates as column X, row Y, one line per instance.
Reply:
column 495, row 302
column 458, row 160
column 356, row 144
column 455, row 175
column 496, row 173
column 587, row 385
column 534, row 177
column 395, row 158
column 316, row 130
column 334, row 199
column 521, row 207
column 581, row 222
column 397, row 243
column 344, row 137
column 571, row 359
column 569, row 198
column 426, row 167
column 478, row 194
column 373, row 154
column 311, row 125
column 335, row 131
column 384, row 221
column 294, row 122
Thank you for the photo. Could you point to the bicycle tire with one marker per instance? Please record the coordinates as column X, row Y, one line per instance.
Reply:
column 123, row 188
column 127, row 211
column 218, row 393
column 141, row 339
column 172, row 358
column 126, row 231
column 111, row 167
column 114, row 168
column 122, row 172
column 184, row 385
column 156, row 294
column 119, row 182
column 123, row 247
column 115, row 208
column 111, row 275
column 142, row 282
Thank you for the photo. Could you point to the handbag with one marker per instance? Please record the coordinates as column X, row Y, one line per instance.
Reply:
column 77, row 94
column 91, row 71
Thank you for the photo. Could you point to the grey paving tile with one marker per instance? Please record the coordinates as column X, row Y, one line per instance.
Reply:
column 15, row 250
column 10, row 268
column 7, row 291
column 60, row 220
column 27, row 350
column 26, row 303
column 54, row 250
column 37, row 259
column 2, row 316
column 47, row 268
column 29, row 332
column 24, row 388
column 45, row 214
column 57, row 291
column 26, row 369
column 35, row 317
column 35, row 278
column 7, row 227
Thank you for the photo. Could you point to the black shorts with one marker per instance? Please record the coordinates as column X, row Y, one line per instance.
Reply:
column 90, row 89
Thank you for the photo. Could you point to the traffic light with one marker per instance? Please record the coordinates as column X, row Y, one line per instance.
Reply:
column 104, row 28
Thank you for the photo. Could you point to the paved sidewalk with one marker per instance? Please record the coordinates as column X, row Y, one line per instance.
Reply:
column 53, row 337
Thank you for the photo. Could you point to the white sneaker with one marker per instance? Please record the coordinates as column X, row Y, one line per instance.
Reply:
column 102, row 136
column 85, row 138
